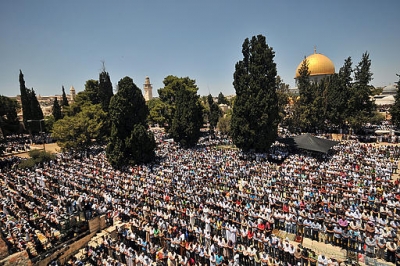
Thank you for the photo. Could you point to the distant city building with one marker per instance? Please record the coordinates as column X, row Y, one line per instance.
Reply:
column 46, row 102
column 224, row 107
column 148, row 89
column 319, row 66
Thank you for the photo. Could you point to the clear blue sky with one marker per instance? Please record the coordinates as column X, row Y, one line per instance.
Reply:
column 58, row 43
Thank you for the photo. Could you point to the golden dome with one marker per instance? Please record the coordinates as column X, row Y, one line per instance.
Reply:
column 318, row 64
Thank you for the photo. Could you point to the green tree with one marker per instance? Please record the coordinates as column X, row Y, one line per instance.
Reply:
column 130, row 141
column 36, row 113
column 307, row 96
column 24, row 98
column 395, row 109
column 188, row 116
column 56, row 110
column 9, row 123
column 361, row 108
column 338, row 94
column 222, row 99
column 156, row 108
column 79, row 131
column 214, row 113
column 64, row 101
column 92, row 91
column 105, row 91
column 167, row 95
column 30, row 106
column 255, row 117
column 283, row 96
column 224, row 123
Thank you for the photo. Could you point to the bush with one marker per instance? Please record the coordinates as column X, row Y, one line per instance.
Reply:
column 28, row 163
column 37, row 157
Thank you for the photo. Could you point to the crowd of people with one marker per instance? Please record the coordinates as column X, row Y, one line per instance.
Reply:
column 15, row 144
column 209, row 206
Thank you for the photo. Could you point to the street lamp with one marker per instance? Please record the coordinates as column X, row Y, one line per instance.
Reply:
column 40, row 123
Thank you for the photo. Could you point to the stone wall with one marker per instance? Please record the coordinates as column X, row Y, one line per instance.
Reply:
column 3, row 249
column 16, row 259
column 22, row 258
column 95, row 225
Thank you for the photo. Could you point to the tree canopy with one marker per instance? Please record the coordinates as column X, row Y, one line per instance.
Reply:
column 130, row 142
column 338, row 100
column 360, row 106
column 105, row 89
column 64, row 101
column 80, row 130
column 395, row 109
column 255, row 115
column 31, row 109
column 9, row 123
column 214, row 113
column 182, row 111
column 56, row 110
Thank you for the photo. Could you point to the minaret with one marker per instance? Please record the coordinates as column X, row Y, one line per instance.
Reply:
column 148, row 89
column 72, row 93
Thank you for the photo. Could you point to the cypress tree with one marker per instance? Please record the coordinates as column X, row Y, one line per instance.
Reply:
column 360, row 106
column 395, row 109
column 255, row 115
column 215, row 113
column 130, row 141
column 105, row 89
column 64, row 98
column 31, row 109
column 56, row 110
column 188, row 116
column 26, row 112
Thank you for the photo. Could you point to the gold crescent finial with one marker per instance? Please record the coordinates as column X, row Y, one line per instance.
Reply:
column 315, row 49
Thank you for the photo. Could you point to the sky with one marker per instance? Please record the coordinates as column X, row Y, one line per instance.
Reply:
column 64, row 43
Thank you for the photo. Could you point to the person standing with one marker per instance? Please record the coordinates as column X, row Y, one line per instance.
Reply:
column 313, row 258
column 391, row 250
column 381, row 246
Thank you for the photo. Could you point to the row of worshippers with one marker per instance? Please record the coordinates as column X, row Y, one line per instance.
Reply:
column 216, row 183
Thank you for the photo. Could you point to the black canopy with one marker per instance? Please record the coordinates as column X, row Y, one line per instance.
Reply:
column 311, row 143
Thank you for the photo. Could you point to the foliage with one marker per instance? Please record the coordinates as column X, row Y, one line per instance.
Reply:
column 56, row 110
column 78, row 131
column 156, row 108
column 36, row 157
column 48, row 123
column 376, row 91
column 338, row 94
column 30, row 105
column 224, row 124
column 130, row 141
column 168, row 96
column 360, row 107
column 255, row 113
column 9, row 123
column 395, row 109
column 92, row 91
column 64, row 101
column 105, row 89
column 222, row 99
column 188, row 112
column 307, row 96
column 184, row 127
column 81, row 99
column 377, row 118
column 214, row 113
column 283, row 96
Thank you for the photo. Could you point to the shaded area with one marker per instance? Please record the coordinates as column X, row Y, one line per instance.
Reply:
column 309, row 142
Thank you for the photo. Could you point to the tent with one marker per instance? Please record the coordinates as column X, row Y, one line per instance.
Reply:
column 311, row 143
